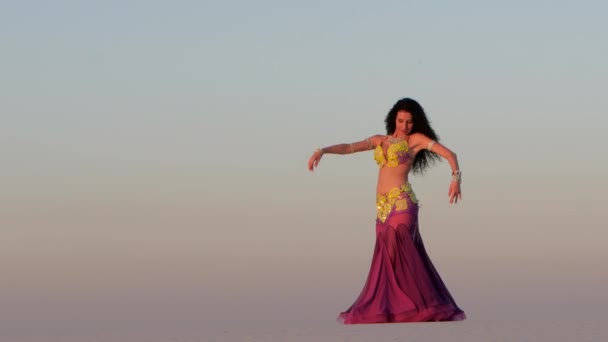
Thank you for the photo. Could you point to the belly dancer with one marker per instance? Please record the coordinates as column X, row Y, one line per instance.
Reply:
column 402, row 285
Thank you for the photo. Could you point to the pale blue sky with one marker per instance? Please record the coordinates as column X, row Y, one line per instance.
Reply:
column 181, row 130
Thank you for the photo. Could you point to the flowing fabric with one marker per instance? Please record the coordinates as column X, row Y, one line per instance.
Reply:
column 402, row 285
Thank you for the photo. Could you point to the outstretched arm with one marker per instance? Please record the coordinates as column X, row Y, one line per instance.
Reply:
column 454, row 192
column 363, row 145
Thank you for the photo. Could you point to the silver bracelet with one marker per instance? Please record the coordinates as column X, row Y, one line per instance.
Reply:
column 319, row 150
column 457, row 176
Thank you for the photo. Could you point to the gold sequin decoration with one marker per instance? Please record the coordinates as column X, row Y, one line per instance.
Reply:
column 401, row 204
column 391, row 154
column 393, row 200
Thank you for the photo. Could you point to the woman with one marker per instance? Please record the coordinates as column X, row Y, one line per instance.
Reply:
column 402, row 285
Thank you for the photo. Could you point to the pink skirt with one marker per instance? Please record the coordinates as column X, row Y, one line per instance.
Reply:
column 402, row 285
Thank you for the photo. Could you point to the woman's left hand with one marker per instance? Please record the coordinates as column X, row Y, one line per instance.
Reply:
column 454, row 193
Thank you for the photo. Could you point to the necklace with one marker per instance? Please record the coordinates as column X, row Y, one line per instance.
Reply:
column 393, row 139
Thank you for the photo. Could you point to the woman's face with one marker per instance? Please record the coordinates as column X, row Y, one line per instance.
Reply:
column 404, row 123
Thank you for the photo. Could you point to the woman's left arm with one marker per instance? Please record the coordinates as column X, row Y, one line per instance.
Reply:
column 454, row 193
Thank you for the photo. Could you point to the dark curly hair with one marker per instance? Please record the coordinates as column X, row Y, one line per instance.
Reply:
column 424, row 158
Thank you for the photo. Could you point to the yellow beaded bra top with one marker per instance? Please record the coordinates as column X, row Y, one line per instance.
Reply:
column 397, row 153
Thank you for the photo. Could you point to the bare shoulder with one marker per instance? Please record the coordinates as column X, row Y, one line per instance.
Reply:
column 418, row 139
column 377, row 139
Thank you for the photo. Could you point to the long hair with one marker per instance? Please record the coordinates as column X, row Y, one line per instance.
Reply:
column 424, row 158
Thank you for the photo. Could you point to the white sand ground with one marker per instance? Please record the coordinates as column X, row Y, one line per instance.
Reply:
column 470, row 330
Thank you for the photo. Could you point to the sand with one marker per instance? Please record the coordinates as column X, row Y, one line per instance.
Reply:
column 470, row 330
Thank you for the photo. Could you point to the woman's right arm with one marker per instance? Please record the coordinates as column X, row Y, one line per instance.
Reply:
column 359, row 146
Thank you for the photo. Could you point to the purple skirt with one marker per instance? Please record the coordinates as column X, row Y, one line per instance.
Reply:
column 402, row 285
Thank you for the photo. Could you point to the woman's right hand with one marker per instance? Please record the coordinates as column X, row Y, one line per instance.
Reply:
column 315, row 159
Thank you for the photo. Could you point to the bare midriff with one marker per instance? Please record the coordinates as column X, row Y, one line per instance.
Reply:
column 391, row 177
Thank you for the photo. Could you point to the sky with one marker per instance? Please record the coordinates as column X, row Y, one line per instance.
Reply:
column 154, row 155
